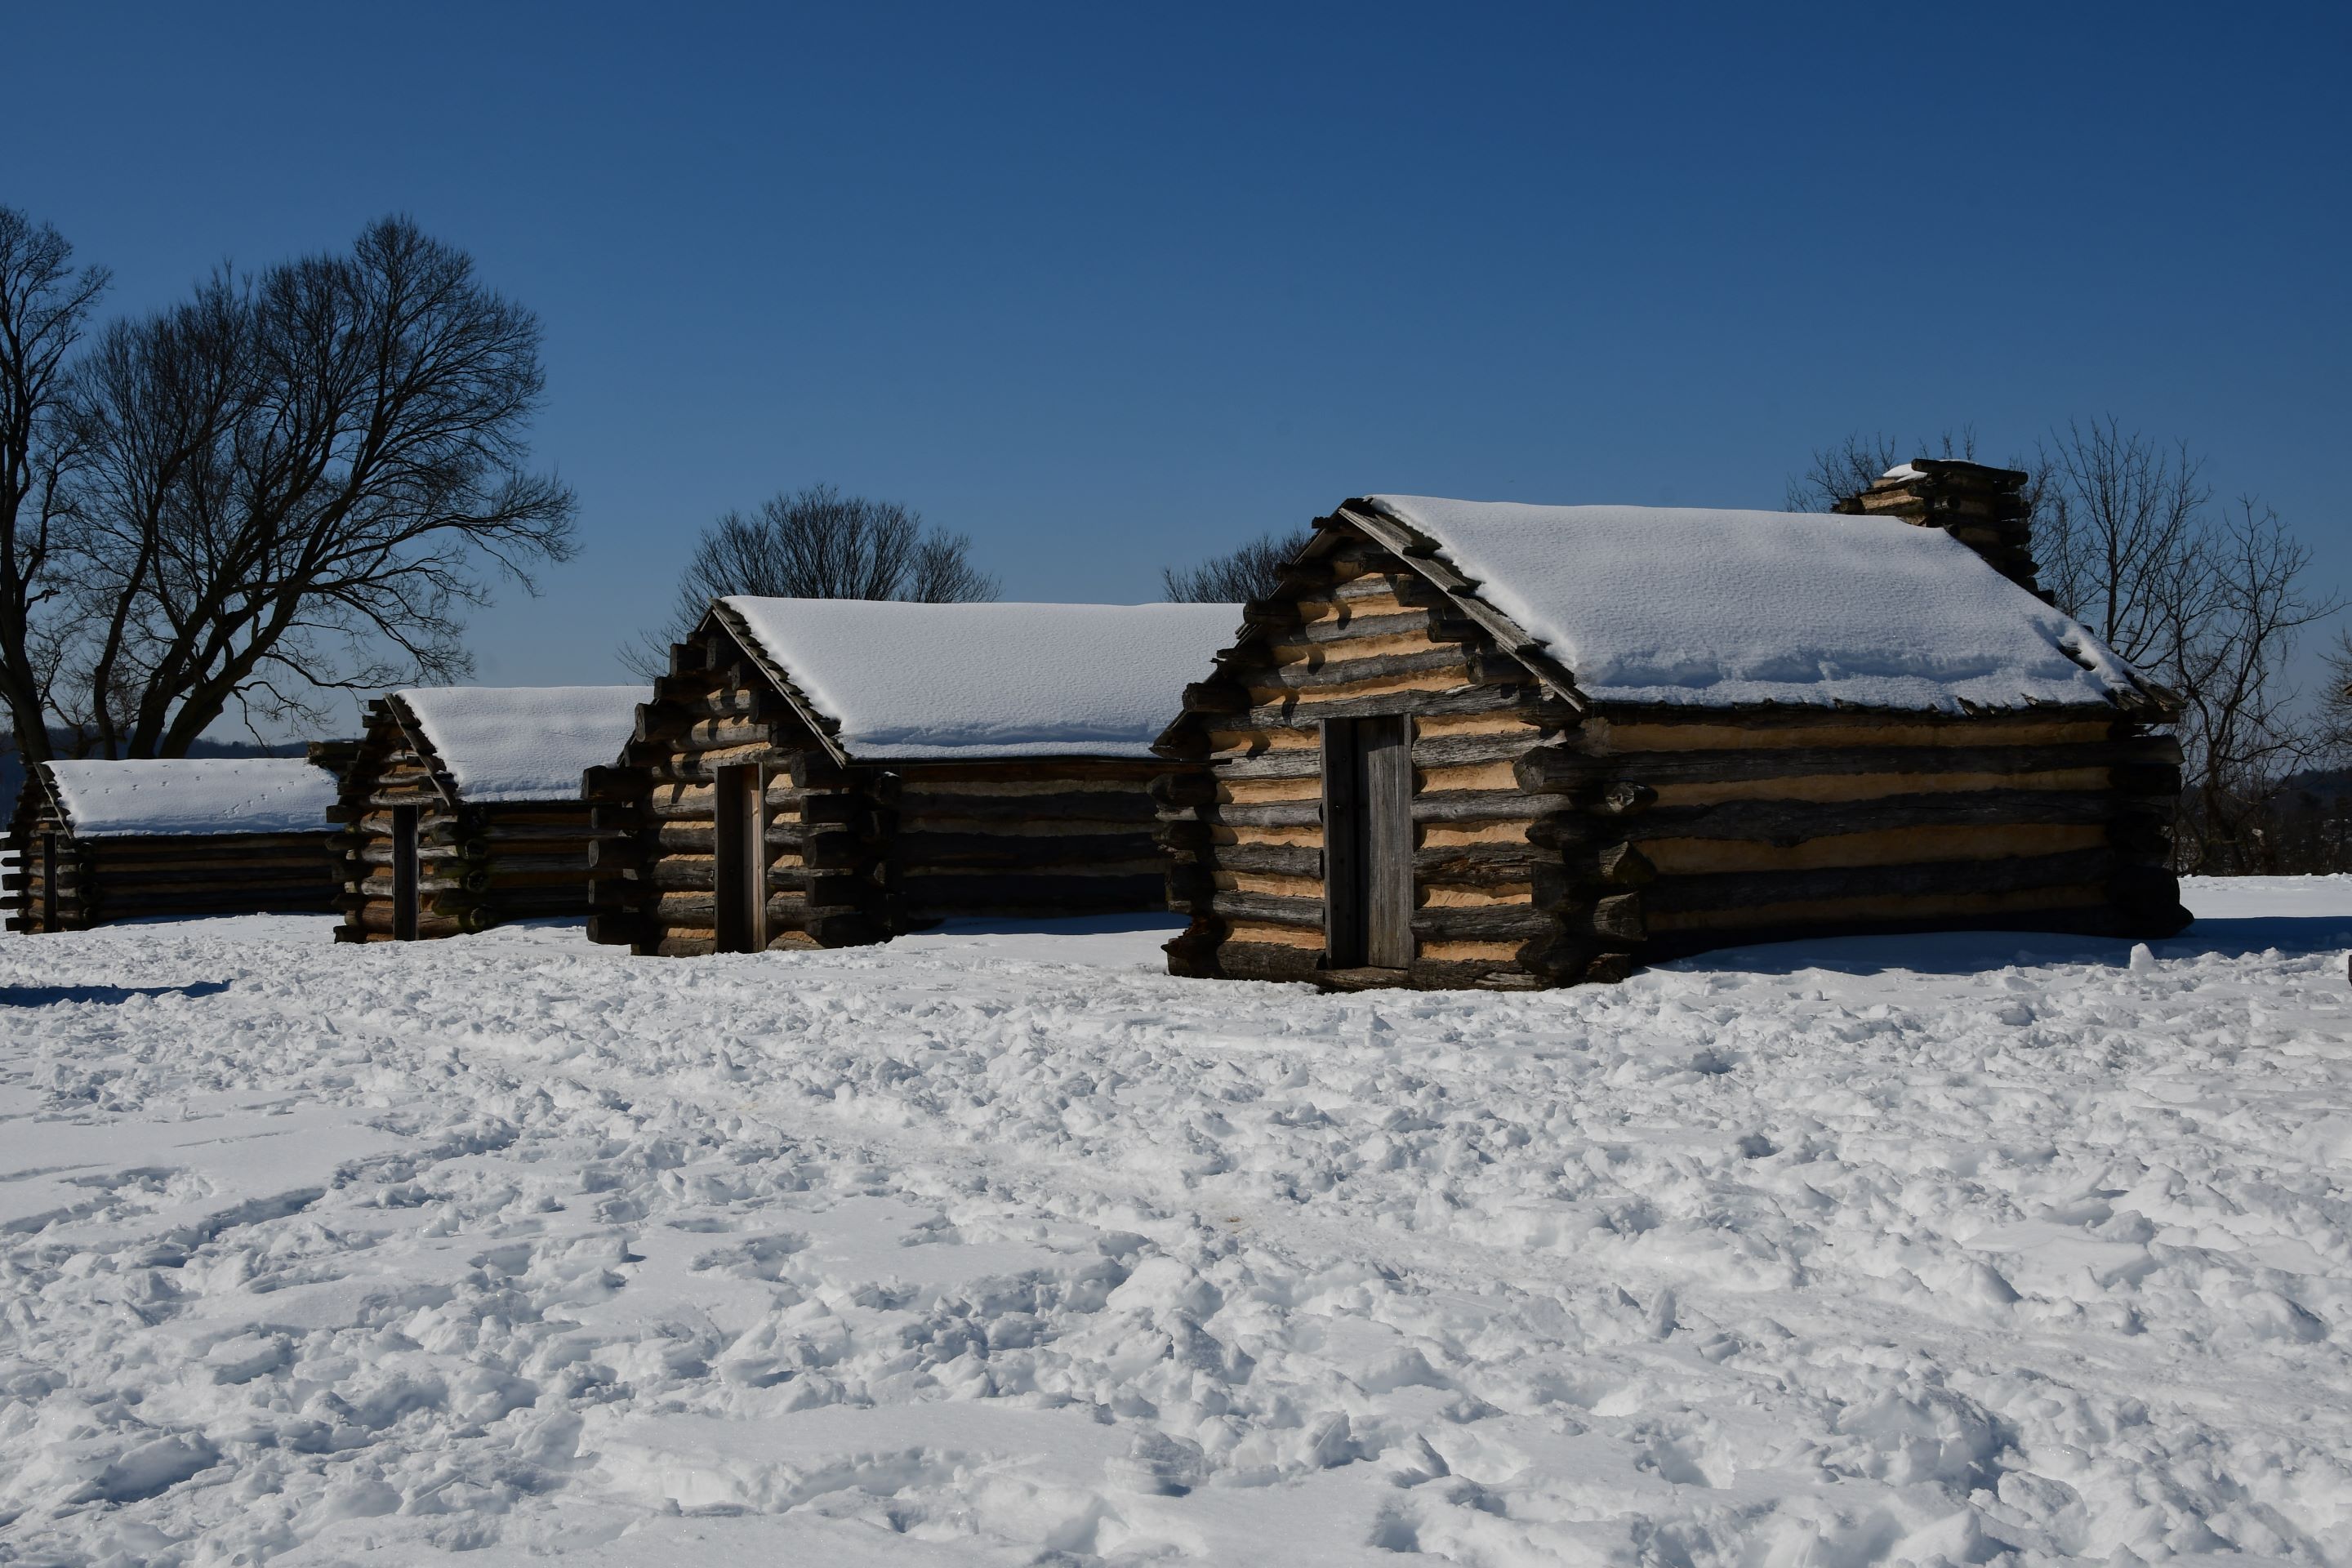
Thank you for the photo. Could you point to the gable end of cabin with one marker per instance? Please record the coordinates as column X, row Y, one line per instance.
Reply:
column 732, row 821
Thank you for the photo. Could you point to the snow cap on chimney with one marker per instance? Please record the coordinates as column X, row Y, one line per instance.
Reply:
column 1983, row 508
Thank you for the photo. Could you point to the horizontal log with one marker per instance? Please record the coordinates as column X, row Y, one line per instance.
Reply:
column 1672, row 895
column 1481, row 805
column 1015, row 851
column 1468, row 865
column 1281, row 814
column 820, row 848
column 199, row 843
column 1293, row 715
column 1444, row 749
column 685, row 907
column 1551, row 768
column 1270, row 908
column 617, row 854
column 1786, row 822
column 381, row 885
column 575, row 863
column 1297, row 678
column 1498, row 922
column 1025, row 894
column 1078, row 805
column 1194, row 787
column 1279, row 859
column 116, row 883
column 616, row 786
column 318, row 862
column 716, row 734
column 844, row 889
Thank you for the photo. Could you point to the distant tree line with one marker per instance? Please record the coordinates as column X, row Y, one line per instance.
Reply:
column 2208, row 598
column 289, row 484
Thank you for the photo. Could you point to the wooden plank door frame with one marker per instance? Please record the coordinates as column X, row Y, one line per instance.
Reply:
column 406, row 868
column 739, row 861
column 1343, row 863
column 1385, row 747
column 1368, row 880
column 48, row 881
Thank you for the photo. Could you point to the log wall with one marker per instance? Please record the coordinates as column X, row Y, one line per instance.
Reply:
column 478, row 863
column 1553, row 842
column 119, row 877
column 855, row 852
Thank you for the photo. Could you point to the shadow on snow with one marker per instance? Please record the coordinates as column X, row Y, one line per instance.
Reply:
column 49, row 995
column 1978, row 951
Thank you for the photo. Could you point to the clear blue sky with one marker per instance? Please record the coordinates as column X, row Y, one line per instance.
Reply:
column 1107, row 287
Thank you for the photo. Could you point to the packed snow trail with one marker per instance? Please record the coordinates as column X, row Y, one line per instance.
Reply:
column 1009, row 1248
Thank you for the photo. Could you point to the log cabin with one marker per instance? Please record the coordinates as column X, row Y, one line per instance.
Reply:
column 99, row 841
column 1507, row 746
column 825, row 773
column 460, row 806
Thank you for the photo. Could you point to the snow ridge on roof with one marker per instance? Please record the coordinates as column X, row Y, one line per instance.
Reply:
column 523, row 743
column 1715, row 608
column 190, row 796
column 909, row 681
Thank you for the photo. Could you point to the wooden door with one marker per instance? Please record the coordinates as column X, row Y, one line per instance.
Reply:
column 739, row 848
column 405, row 870
column 48, row 881
column 1368, row 842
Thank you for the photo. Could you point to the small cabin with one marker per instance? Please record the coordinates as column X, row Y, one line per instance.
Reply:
column 823, row 773
column 1489, row 744
column 461, row 806
column 97, row 841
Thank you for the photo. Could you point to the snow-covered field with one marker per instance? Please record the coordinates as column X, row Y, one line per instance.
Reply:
column 1008, row 1248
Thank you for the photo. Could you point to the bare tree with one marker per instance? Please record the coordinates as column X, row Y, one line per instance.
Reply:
column 1252, row 572
column 45, row 306
column 2336, row 703
column 2209, row 603
column 1850, row 468
column 816, row 543
column 284, row 486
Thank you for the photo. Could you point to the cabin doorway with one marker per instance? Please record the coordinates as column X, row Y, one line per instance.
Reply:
column 48, row 881
column 405, row 869
column 1368, row 842
column 739, row 879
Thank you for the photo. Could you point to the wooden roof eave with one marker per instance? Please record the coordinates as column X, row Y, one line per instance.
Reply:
column 817, row 724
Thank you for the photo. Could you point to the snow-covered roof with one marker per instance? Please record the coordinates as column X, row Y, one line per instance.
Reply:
column 523, row 743
column 909, row 681
column 1675, row 605
column 192, row 796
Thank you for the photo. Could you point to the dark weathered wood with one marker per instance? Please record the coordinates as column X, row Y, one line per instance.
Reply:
column 1744, row 889
column 1344, row 873
column 1016, row 851
column 1554, row 768
column 1475, row 921
column 1270, row 908
column 1786, row 822
column 1387, row 793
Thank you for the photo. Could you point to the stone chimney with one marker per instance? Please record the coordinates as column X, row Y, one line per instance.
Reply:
column 1982, row 508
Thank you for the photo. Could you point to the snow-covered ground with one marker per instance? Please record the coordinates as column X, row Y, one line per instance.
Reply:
column 1009, row 1248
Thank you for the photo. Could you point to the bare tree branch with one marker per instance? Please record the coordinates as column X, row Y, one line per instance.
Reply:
column 1252, row 572
column 816, row 543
